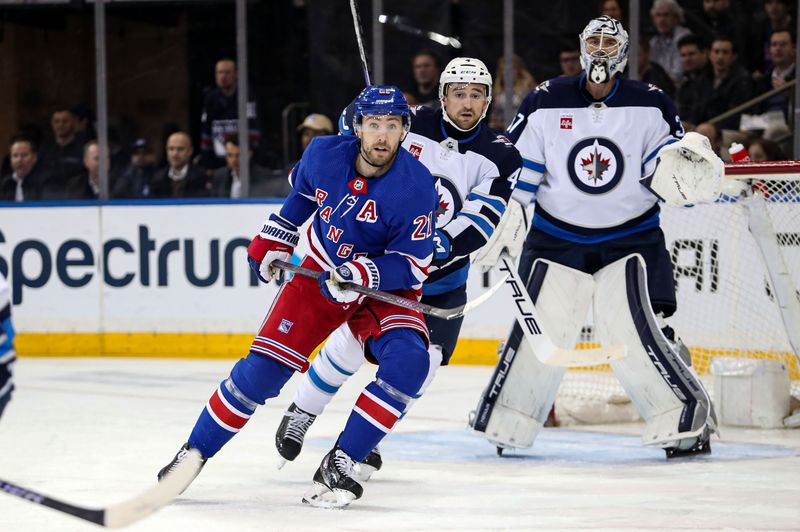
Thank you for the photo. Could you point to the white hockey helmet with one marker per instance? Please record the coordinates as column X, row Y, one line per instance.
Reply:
column 463, row 70
column 604, row 49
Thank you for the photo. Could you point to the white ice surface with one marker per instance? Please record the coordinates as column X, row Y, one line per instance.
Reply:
column 96, row 431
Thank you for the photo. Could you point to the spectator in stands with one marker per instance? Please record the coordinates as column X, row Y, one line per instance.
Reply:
column 774, row 16
column 782, row 57
column 524, row 82
column 314, row 125
column 220, row 118
column 731, row 84
column 695, row 87
column 27, row 176
column 181, row 178
column 86, row 184
column 426, row 70
column 712, row 133
column 718, row 18
column 667, row 16
column 652, row 72
column 765, row 150
column 570, row 61
column 63, row 156
column 226, row 182
column 614, row 9
column 137, row 177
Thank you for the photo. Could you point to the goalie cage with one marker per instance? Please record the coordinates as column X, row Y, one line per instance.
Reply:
column 737, row 273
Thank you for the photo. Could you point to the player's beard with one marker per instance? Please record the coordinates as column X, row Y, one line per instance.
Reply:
column 378, row 166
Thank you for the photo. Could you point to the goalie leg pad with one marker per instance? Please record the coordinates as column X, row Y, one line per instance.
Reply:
column 665, row 390
column 522, row 390
column 339, row 358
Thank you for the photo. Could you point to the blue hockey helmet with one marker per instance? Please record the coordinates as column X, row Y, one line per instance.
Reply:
column 381, row 100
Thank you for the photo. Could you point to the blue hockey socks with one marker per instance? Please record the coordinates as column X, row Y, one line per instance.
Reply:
column 253, row 380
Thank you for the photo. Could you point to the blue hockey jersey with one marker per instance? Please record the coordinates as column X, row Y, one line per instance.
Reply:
column 388, row 219
column 584, row 159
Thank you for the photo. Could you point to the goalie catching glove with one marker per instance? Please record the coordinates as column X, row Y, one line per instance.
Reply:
column 508, row 236
column 276, row 241
column 361, row 271
column 687, row 172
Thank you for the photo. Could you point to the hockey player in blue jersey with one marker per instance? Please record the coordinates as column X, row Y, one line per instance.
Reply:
column 598, row 152
column 7, row 353
column 373, row 206
column 475, row 170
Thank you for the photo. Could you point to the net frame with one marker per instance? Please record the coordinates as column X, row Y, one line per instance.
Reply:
column 752, row 191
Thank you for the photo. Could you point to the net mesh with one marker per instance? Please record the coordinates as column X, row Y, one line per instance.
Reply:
column 727, row 305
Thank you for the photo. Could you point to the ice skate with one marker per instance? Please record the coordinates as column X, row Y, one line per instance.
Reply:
column 691, row 446
column 370, row 464
column 291, row 433
column 335, row 485
column 179, row 457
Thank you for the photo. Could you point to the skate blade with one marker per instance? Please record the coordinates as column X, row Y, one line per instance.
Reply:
column 363, row 472
column 320, row 496
column 281, row 462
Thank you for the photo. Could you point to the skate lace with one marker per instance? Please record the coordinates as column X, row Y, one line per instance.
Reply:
column 344, row 464
column 298, row 425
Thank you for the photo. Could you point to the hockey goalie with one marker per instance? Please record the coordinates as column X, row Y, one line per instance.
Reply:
column 599, row 152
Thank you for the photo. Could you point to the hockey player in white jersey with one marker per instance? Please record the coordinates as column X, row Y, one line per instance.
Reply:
column 475, row 170
column 598, row 152
column 7, row 353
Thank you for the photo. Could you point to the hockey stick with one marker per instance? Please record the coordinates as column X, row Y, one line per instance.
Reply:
column 541, row 345
column 400, row 301
column 124, row 513
column 401, row 24
column 360, row 40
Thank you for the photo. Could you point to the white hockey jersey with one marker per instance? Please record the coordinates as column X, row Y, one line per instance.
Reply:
column 584, row 160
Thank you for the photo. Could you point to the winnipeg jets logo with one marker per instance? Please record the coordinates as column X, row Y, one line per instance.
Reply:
column 595, row 165
column 449, row 201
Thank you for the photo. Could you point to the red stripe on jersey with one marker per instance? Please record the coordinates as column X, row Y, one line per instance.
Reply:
column 377, row 412
column 365, row 278
column 267, row 345
column 225, row 414
column 320, row 257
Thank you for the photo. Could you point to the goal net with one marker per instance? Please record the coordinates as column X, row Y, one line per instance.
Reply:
column 737, row 272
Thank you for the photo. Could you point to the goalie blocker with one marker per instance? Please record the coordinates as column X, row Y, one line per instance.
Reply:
column 662, row 386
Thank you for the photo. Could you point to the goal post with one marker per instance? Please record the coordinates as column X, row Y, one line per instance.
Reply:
column 737, row 272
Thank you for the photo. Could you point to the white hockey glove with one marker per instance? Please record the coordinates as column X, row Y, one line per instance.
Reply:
column 508, row 236
column 361, row 271
column 687, row 172
column 276, row 241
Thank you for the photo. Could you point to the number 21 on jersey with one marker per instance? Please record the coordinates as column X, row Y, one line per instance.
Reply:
column 423, row 227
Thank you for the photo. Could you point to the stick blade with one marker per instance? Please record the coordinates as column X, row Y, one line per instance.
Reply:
column 172, row 485
column 577, row 358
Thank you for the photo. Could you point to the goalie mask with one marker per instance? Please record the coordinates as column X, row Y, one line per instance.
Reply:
column 462, row 71
column 604, row 49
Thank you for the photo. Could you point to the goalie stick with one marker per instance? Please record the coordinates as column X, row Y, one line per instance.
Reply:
column 123, row 513
column 541, row 345
column 400, row 301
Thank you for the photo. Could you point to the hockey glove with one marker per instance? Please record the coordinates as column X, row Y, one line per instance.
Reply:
column 361, row 271
column 276, row 241
column 443, row 249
